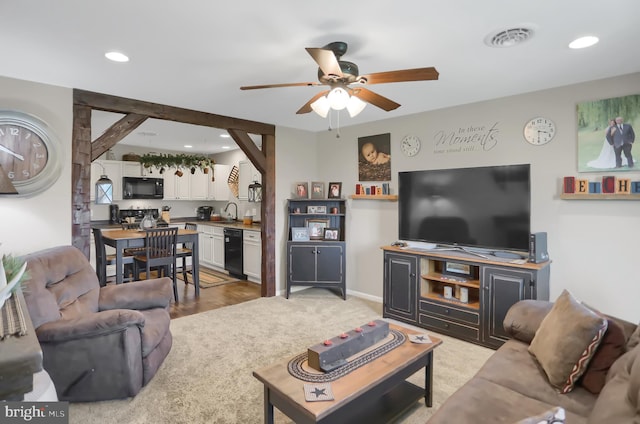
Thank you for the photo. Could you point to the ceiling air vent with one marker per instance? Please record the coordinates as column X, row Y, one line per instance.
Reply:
column 509, row 37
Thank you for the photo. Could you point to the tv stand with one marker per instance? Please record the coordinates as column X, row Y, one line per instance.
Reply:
column 458, row 291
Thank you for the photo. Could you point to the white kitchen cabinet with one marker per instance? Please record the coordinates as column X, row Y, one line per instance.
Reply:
column 219, row 189
column 218, row 247
column 131, row 169
column 113, row 170
column 199, row 184
column 211, row 239
column 205, row 238
column 247, row 173
column 175, row 187
column 252, row 255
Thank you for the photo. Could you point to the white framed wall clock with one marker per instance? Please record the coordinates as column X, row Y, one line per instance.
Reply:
column 30, row 155
column 410, row 145
column 539, row 131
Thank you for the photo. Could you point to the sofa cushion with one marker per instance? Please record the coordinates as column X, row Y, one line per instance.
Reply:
column 482, row 401
column 553, row 416
column 524, row 318
column 566, row 340
column 619, row 399
column 610, row 349
column 513, row 367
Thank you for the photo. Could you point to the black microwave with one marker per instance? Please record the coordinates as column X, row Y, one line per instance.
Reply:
column 142, row 188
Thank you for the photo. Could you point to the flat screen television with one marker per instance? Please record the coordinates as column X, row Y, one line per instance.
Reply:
column 485, row 207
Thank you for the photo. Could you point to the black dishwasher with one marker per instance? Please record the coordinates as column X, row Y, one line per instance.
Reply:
column 233, row 252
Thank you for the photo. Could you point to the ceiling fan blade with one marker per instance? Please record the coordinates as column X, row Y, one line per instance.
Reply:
column 326, row 60
column 307, row 106
column 418, row 74
column 292, row 84
column 375, row 99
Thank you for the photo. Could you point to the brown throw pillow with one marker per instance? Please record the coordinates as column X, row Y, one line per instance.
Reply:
column 610, row 349
column 567, row 340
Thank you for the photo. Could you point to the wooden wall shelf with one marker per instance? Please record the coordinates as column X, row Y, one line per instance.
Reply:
column 599, row 196
column 389, row 197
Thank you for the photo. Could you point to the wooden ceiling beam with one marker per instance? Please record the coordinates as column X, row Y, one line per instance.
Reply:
column 249, row 148
column 115, row 133
column 116, row 104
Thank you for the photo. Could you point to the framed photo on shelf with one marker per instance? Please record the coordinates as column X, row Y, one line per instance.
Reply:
column 316, row 209
column 332, row 234
column 316, row 227
column 301, row 190
column 335, row 191
column 299, row 234
column 317, row 190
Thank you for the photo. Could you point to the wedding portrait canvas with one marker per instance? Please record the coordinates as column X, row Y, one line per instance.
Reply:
column 606, row 130
column 374, row 153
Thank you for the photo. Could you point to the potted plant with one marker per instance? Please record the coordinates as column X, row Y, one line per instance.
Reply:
column 12, row 273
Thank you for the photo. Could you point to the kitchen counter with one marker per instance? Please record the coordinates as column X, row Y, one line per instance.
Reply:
column 229, row 224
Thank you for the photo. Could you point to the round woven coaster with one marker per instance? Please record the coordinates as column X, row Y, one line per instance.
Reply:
column 297, row 370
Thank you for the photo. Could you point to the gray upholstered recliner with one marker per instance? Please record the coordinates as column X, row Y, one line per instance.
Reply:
column 97, row 343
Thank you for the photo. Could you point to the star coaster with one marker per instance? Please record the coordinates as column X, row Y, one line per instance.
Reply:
column 420, row 338
column 317, row 392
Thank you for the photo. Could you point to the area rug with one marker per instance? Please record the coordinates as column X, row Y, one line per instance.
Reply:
column 207, row 376
column 209, row 278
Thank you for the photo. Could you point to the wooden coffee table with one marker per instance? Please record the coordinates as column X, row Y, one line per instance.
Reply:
column 374, row 393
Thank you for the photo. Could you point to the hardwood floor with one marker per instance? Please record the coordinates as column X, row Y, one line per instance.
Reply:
column 212, row 297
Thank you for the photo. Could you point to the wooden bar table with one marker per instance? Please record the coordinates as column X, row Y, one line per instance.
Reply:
column 376, row 392
column 123, row 239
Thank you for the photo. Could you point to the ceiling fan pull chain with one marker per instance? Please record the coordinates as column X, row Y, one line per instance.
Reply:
column 338, row 124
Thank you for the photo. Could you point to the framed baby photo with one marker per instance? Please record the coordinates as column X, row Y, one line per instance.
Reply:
column 335, row 191
column 316, row 228
column 317, row 190
column 299, row 234
column 374, row 153
column 331, row 234
column 301, row 190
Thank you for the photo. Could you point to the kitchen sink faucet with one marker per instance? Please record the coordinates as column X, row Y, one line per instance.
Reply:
column 227, row 207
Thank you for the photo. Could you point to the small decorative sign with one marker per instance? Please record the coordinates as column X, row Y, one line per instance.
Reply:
column 318, row 392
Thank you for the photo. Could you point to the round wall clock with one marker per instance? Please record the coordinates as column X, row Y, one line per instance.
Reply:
column 410, row 145
column 539, row 131
column 29, row 154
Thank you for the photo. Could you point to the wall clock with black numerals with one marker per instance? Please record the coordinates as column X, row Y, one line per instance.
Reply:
column 539, row 131
column 30, row 154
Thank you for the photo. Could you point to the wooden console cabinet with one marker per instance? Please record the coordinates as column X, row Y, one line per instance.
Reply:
column 456, row 293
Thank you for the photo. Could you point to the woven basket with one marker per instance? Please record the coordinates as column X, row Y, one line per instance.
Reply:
column 131, row 157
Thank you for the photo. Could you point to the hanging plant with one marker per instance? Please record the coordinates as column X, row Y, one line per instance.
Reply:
column 178, row 161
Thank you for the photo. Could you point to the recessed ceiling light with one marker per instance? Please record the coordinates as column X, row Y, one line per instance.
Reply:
column 225, row 135
column 225, row 147
column 582, row 42
column 188, row 146
column 117, row 56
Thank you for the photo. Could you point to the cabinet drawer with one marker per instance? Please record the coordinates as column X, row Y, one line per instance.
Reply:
column 450, row 312
column 448, row 327
column 251, row 236
column 216, row 231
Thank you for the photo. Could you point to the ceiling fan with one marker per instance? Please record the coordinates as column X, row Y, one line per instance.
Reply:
column 346, row 84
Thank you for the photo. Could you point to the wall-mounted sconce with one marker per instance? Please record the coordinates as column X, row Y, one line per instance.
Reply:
column 104, row 188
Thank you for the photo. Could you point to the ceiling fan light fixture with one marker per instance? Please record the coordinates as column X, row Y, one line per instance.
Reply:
column 338, row 98
column 355, row 106
column 321, row 106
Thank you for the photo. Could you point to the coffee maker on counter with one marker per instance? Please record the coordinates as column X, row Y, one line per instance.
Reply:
column 204, row 213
